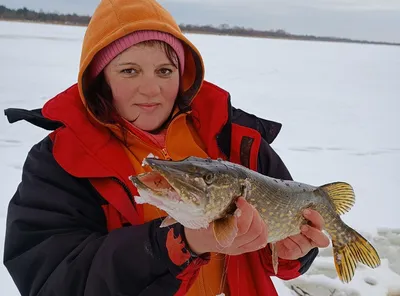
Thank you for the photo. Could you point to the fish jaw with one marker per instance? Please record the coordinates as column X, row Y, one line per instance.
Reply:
column 188, row 184
column 155, row 190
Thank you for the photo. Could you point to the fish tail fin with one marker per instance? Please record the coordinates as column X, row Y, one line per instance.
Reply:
column 353, row 248
column 349, row 247
column 341, row 194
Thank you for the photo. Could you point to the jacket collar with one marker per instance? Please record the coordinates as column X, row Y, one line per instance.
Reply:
column 85, row 148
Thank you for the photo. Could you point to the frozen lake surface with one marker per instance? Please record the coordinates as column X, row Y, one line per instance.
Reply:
column 339, row 105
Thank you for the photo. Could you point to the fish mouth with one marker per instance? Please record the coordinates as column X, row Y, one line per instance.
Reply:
column 155, row 183
column 169, row 181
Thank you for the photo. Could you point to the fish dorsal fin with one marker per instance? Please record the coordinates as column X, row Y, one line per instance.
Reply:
column 225, row 230
column 341, row 194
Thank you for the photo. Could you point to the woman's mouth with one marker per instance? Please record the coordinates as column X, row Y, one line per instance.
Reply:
column 148, row 107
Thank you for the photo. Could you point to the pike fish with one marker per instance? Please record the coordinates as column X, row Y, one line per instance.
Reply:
column 196, row 191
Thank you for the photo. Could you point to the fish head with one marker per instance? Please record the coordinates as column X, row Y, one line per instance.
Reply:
column 193, row 191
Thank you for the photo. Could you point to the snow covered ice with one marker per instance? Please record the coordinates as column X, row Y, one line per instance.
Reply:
column 339, row 105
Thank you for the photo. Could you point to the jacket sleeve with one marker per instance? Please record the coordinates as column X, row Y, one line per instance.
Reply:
column 270, row 164
column 57, row 241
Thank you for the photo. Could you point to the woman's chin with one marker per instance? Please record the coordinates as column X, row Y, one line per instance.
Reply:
column 147, row 127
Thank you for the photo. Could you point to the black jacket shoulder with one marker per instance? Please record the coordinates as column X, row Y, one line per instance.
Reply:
column 57, row 242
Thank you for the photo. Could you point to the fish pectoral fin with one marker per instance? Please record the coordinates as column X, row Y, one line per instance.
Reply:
column 168, row 221
column 225, row 230
column 275, row 260
column 341, row 194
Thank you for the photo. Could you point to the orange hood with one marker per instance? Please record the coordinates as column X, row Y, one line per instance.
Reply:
column 114, row 19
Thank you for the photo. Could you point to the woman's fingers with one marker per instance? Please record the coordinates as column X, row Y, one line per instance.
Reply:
column 255, row 235
column 259, row 242
column 314, row 218
column 252, row 230
column 244, row 217
column 316, row 237
column 303, row 243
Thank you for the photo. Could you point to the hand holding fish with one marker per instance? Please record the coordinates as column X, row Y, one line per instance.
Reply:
column 311, row 236
column 251, row 234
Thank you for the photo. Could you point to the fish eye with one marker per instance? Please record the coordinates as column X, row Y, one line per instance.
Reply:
column 191, row 169
column 208, row 178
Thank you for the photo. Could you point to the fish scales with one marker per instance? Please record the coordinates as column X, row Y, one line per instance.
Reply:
column 281, row 203
column 287, row 200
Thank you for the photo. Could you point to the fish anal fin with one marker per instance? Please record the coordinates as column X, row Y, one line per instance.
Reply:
column 347, row 254
column 168, row 221
column 341, row 194
column 275, row 260
column 225, row 230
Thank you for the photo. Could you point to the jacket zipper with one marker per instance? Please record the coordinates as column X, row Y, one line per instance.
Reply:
column 126, row 189
column 165, row 153
column 152, row 145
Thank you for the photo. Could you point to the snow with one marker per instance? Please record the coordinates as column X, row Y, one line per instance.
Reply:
column 339, row 105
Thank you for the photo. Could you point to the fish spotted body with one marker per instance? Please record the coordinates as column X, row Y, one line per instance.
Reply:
column 196, row 192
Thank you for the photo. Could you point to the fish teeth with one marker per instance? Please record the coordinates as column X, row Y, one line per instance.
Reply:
column 151, row 155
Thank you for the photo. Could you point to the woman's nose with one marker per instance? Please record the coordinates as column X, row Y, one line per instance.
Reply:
column 149, row 86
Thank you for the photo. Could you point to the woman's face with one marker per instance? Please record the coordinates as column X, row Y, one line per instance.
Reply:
column 144, row 85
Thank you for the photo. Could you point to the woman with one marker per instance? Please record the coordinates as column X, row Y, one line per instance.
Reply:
column 73, row 227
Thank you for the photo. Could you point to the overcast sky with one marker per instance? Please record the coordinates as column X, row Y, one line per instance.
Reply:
column 377, row 20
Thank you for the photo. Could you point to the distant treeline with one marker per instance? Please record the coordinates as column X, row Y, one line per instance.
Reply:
column 25, row 14
column 225, row 29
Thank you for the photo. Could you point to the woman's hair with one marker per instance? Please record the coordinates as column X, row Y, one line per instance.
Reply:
column 98, row 95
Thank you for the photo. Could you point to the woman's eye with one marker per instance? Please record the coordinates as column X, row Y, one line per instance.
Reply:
column 165, row 71
column 129, row 71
